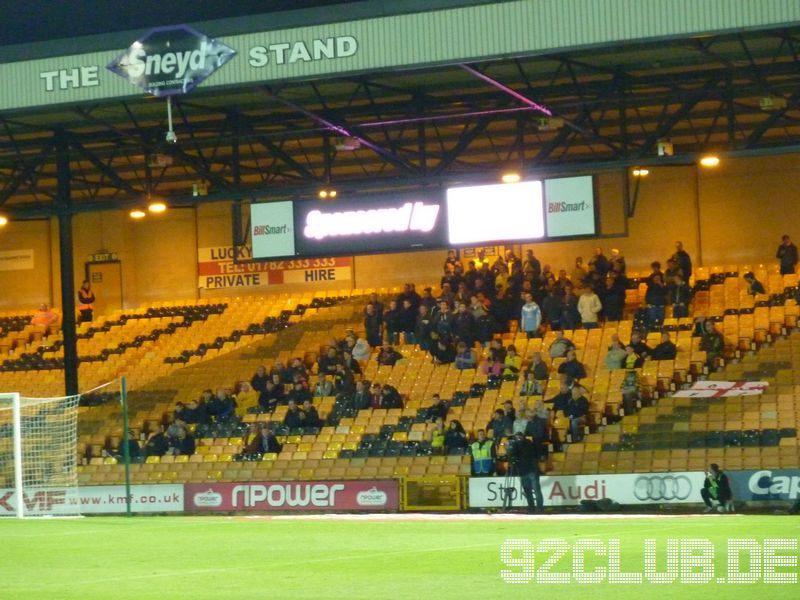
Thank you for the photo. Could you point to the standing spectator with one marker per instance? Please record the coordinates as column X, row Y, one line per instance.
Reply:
column 656, row 299
column 614, row 296
column 599, row 263
column 86, row 301
column 531, row 267
column 443, row 321
column 464, row 325
column 589, row 306
column 617, row 262
column 427, row 299
column 578, row 275
column 684, row 261
column 754, row 286
column 524, row 458
column 499, row 425
column 681, row 296
column 483, row 455
column 530, row 317
column 577, row 412
column 408, row 321
column 391, row 317
column 372, row 325
column 551, row 309
column 570, row 314
column 422, row 330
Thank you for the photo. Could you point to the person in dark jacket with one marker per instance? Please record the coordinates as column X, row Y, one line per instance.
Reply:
column 388, row 356
column 684, row 261
column 572, row 366
column 438, row 410
column 310, row 415
column 561, row 400
column 499, row 425
column 184, row 443
column 390, row 397
column 666, row 349
column 259, row 381
column 443, row 353
column 464, row 325
column 655, row 298
column 373, row 326
column 717, row 489
column 613, row 296
column 524, row 457
column 134, row 450
column 754, row 286
column 422, row 330
column 391, row 318
column 294, row 416
column 577, row 411
column 455, row 438
column 157, row 444
column 681, row 297
column 787, row 254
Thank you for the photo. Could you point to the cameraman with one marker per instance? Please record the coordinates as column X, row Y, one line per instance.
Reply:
column 523, row 461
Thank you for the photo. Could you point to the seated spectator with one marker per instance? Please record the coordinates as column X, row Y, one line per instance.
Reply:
column 539, row 368
column 350, row 363
column 326, row 364
column 455, row 438
column 45, row 317
column 572, row 366
column 360, row 398
column 134, row 450
column 390, row 397
column 298, row 394
column 632, row 360
column 498, row 425
column 438, row 410
column 271, row 396
column 442, row 351
column 179, row 412
column 666, row 350
column 195, row 413
column 294, row 416
column 375, row 395
column 754, row 286
column 483, row 455
column 531, row 387
column 437, row 437
column 712, row 344
column 270, row 444
column 296, row 371
column 361, row 350
column 222, row 406
column 495, row 361
column 184, row 443
column 310, row 415
column 323, row 387
column 577, row 412
column 512, row 363
column 589, row 307
column 157, row 444
column 639, row 346
column 560, row 345
column 252, row 441
column 510, row 412
column 388, row 356
column 279, row 369
column 616, row 355
column 259, row 381
column 343, row 381
column 630, row 392
column 561, row 400
column 465, row 357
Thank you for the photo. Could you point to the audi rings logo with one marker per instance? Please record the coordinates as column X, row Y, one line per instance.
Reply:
column 667, row 488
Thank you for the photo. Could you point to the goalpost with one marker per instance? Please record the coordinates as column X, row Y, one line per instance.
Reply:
column 38, row 456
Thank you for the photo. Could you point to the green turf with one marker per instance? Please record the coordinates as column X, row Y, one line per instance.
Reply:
column 217, row 557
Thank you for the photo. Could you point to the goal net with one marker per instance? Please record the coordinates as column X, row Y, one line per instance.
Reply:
column 38, row 456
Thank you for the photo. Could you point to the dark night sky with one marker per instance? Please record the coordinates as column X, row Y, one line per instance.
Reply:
column 39, row 20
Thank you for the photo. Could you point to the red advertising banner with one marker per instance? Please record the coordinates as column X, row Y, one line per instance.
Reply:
column 216, row 269
column 298, row 496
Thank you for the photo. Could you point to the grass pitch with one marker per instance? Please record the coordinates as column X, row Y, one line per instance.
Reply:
column 357, row 557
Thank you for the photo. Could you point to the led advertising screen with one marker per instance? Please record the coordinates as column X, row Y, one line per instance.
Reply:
column 488, row 213
column 570, row 206
column 272, row 229
column 370, row 224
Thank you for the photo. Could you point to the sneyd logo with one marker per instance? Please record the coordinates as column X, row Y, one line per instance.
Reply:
column 410, row 217
column 282, row 495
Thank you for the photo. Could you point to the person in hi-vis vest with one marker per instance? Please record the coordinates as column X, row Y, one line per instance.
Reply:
column 483, row 455
column 86, row 300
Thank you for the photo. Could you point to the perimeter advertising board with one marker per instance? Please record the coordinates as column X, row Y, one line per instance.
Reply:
column 570, row 490
column 295, row 496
